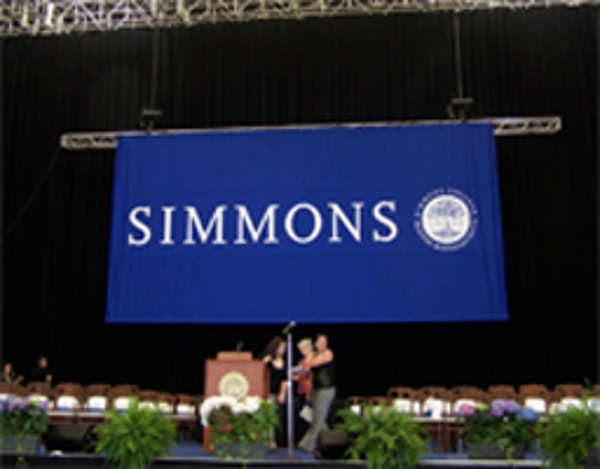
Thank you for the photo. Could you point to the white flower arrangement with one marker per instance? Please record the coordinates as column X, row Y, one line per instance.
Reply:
column 247, row 405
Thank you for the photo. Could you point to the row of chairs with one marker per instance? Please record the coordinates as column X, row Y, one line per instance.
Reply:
column 73, row 397
column 423, row 401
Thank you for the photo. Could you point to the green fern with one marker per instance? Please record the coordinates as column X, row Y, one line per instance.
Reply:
column 567, row 438
column 384, row 437
column 133, row 439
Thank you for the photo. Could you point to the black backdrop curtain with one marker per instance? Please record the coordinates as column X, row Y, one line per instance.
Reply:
column 532, row 62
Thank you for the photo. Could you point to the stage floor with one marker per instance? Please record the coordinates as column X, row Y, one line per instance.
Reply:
column 192, row 455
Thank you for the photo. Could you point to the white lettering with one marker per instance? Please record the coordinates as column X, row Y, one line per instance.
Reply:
column 215, row 223
column 141, row 226
column 337, row 214
column 386, row 221
column 167, row 225
column 317, row 223
column 267, row 221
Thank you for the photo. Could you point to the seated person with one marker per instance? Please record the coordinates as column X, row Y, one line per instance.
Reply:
column 9, row 375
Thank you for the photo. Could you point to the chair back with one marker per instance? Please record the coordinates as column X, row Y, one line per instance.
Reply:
column 502, row 391
column 186, row 405
column 68, row 397
column 96, row 397
column 535, row 396
column 405, row 400
column 354, row 403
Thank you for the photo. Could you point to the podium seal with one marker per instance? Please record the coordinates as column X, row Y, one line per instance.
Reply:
column 234, row 384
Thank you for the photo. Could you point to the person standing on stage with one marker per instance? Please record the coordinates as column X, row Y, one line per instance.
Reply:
column 41, row 373
column 302, row 372
column 323, row 391
column 273, row 356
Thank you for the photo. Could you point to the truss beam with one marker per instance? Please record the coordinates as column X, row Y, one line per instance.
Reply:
column 48, row 17
column 503, row 127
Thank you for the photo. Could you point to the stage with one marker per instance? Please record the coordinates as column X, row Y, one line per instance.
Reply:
column 191, row 455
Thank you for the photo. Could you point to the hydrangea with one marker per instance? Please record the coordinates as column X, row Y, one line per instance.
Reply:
column 466, row 410
column 504, row 407
column 529, row 415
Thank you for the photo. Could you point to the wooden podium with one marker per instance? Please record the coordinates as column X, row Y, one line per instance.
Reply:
column 237, row 375
column 234, row 374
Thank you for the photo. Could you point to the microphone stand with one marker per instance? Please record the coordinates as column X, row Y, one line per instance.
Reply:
column 290, row 392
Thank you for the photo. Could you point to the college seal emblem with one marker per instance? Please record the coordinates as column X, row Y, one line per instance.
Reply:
column 234, row 384
column 446, row 219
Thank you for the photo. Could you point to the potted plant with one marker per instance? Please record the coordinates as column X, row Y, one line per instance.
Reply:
column 384, row 437
column 571, row 439
column 22, row 423
column 240, row 428
column 133, row 439
column 502, row 430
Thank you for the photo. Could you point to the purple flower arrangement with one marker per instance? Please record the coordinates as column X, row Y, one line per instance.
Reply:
column 503, row 423
column 25, row 417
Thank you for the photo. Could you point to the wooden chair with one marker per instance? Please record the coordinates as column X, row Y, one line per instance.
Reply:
column 165, row 402
column 186, row 405
column 502, row 391
column 124, row 390
column 565, row 396
column 186, row 410
column 120, row 396
column 436, row 394
column 68, row 389
column 466, row 390
column 466, row 395
column 377, row 401
column 96, row 397
column 434, row 399
column 12, row 389
column 68, row 397
column 434, row 391
column 147, row 398
column 39, row 389
column 535, row 396
column 569, row 390
column 405, row 399
column 40, row 392
column 355, row 404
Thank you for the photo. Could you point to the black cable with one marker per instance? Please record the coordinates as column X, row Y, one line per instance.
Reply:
column 32, row 197
column 155, row 62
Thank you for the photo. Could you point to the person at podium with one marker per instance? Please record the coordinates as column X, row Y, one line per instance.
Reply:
column 321, row 364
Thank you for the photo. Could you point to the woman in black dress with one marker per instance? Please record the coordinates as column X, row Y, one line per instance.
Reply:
column 274, row 357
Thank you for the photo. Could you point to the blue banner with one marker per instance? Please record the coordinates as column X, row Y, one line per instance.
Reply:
column 316, row 225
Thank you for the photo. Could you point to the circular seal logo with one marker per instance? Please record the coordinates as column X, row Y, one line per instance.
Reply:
column 446, row 219
column 234, row 384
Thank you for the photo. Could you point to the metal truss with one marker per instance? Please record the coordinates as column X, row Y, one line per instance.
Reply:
column 503, row 127
column 46, row 17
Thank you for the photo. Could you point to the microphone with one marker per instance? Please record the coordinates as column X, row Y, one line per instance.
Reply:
column 239, row 346
column 286, row 330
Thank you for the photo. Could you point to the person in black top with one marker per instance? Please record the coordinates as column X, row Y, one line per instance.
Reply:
column 322, row 366
column 274, row 357
column 41, row 373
